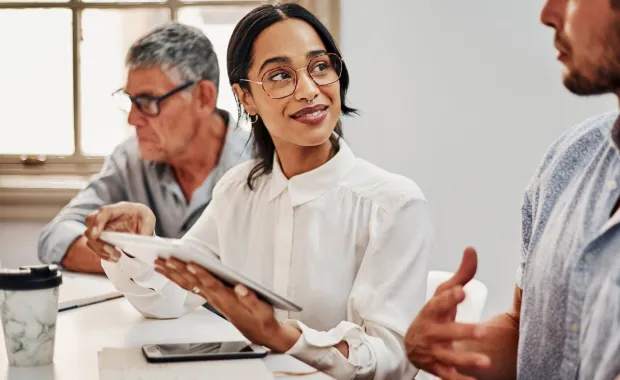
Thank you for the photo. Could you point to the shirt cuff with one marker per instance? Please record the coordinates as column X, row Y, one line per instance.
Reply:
column 152, row 294
column 171, row 301
column 133, row 277
column 316, row 348
column 59, row 241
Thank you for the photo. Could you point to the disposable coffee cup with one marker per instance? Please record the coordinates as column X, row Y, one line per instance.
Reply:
column 29, row 304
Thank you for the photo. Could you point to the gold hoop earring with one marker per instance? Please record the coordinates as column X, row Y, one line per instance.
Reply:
column 254, row 120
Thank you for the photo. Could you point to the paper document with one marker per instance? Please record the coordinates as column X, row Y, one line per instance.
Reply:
column 83, row 289
column 130, row 364
column 147, row 248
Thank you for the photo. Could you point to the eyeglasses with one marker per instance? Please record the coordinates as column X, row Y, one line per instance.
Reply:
column 148, row 105
column 281, row 82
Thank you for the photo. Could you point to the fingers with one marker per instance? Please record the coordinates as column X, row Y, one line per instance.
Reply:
column 146, row 226
column 103, row 250
column 189, row 276
column 445, row 302
column 227, row 301
column 467, row 269
column 465, row 272
column 220, row 296
column 96, row 221
column 452, row 358
column 455, row 331
column 172, row 275
column 133, row 217
column 177, row 272
column 449, row 373
column 159, row 262
column 95, row 224
column 249, row 299
column 205, row 278
column 97, row 250
column 163, row 271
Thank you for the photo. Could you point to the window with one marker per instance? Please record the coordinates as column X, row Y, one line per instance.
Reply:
column 62, row 61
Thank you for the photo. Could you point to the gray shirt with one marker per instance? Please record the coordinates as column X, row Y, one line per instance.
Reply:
column 570, row 267
column 125, row 177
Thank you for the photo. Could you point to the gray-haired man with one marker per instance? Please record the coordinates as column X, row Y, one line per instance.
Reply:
column 182, row 146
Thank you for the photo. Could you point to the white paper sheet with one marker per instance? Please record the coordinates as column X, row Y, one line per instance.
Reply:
column 79, row 289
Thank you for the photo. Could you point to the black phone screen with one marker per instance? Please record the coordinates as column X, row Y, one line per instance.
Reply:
column 203, row 348
column 202, row 351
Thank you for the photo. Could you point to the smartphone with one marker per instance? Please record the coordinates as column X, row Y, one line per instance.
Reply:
column 202, row 351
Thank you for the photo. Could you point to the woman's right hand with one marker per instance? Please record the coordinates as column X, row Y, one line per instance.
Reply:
column 120, row 217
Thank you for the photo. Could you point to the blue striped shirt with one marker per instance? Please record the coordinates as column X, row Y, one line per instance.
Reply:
column 570, row 267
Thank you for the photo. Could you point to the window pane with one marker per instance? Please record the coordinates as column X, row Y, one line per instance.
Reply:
column 36, row 90
column 121, row 1
column 107, row 36
column 33, row 1
column 258, row 2
column 218, row 22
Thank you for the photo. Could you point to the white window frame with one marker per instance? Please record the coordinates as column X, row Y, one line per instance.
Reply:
column 35, row 188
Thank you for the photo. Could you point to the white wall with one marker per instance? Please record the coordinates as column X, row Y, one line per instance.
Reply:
column 18, row 243
column 464, row 97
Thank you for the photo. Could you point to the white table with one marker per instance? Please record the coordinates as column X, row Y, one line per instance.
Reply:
column 82, row 332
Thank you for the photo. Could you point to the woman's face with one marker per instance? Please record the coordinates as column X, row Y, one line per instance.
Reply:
column 308, row 116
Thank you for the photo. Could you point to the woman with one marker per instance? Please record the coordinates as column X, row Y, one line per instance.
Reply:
column 346, row 240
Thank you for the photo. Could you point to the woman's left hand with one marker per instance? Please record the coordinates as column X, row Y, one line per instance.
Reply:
column 254, row 318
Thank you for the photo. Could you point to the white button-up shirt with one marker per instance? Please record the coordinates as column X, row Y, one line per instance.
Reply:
column 348, row 242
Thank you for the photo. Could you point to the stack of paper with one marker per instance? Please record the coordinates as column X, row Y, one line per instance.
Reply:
column 130, row 364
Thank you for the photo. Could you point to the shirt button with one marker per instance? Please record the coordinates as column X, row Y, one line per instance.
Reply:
column 611, row 185
column 574, row 328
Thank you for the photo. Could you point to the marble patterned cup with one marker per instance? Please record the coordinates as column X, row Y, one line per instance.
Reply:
column 29, row 308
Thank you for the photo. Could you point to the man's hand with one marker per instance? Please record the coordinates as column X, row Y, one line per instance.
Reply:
column 430, row 339
column 120, row 217
column 80, row 258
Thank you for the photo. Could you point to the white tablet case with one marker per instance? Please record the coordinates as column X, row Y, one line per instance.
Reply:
column 148, row 248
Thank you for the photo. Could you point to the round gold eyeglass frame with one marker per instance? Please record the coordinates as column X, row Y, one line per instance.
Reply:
column 307, row 68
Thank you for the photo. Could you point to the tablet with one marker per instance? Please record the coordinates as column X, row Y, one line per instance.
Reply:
column 149, row 248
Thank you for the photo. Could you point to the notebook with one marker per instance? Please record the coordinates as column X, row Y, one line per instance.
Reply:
column 130, row 364
column 79, row 290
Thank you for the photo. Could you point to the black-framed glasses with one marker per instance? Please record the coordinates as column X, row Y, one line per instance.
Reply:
column 148, row 105
column 281, row 82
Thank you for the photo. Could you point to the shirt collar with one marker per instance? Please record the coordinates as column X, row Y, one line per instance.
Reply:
column 308, row 186
column 234, row 151
column 236, row 143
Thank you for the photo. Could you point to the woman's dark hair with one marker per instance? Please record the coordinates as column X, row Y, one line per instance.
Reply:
column 240, row 59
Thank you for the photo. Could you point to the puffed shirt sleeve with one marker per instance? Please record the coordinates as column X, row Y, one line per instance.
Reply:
column 389, row 290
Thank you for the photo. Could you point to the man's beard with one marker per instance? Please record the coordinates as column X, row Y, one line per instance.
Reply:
column 605, row 74
column 606, row 79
